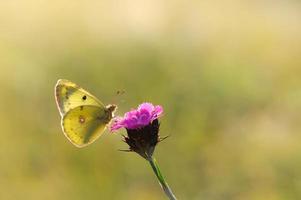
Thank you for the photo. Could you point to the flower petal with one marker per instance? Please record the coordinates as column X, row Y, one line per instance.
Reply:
column 158, row 110
column 146, row 106
column 117, row 124
column 144, row 117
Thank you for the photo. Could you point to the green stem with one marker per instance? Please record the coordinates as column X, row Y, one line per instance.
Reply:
column 161, row 179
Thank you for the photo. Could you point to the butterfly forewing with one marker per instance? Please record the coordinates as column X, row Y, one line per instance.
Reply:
column 69, row 95
column 84, row 124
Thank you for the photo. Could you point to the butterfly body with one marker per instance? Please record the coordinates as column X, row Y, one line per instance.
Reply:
column 84, row 117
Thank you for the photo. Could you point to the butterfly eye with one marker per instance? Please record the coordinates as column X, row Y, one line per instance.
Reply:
column 84, row 97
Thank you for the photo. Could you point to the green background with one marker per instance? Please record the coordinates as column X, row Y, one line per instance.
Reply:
column 226, row 72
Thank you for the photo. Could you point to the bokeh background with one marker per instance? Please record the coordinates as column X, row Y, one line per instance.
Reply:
column 226, row 72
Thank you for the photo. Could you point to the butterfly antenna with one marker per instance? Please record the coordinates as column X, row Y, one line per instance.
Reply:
column 116, row 98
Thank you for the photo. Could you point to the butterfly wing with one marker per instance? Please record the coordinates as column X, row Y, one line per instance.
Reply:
column 84, row 124
column 69, row 95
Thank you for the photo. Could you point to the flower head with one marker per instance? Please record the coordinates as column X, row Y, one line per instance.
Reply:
column 142, row 116
column 142, row 127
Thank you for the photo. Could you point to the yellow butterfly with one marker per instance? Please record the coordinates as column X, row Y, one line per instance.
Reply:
column 84, row 117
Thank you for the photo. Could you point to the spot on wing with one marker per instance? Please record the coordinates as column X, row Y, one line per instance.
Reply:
column 81, row 119
column 84, row 97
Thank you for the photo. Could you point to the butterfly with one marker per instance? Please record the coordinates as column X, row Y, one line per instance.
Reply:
column 83, row 117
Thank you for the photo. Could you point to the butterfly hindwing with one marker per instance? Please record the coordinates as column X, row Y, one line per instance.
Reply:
column 84, row 124
column 69, row 95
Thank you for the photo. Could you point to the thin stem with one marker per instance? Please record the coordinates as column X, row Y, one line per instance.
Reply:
column 161, row 179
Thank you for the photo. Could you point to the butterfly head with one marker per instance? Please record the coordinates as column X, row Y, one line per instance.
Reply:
column 111, row 108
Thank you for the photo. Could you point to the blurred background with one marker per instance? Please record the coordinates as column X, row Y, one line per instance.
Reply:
column 226, row 72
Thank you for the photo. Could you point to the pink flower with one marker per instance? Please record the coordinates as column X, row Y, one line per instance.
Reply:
column 135, row 119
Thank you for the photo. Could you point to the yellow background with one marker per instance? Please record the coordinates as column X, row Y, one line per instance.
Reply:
column 226, row 72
